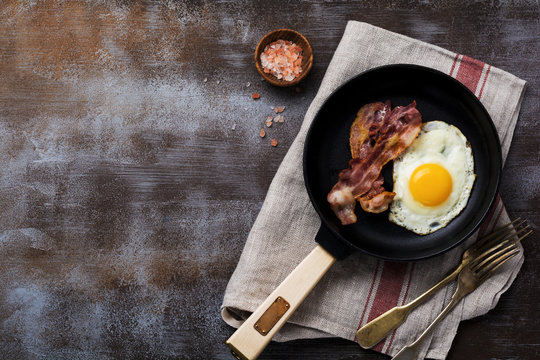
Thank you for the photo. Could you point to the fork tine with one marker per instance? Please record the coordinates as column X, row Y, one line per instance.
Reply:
column 504, row 237
column 511, row 238
column 504, row 228
column 486, row 265
column 490, row 256
column 488, row 270
column 496, row 250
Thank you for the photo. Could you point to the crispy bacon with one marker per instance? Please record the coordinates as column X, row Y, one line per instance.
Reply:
column 365, row 128
column 376, row 200
column 391, row 135
column 378, row 203
column 365, row 131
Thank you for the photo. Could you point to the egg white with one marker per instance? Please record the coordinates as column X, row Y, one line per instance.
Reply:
column 438, row 143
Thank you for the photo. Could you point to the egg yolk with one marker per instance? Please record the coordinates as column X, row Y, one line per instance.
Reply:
column 430, row 184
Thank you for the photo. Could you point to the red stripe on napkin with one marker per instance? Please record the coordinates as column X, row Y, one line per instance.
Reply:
column 402, row 302
column 454, row 65
column 498, row 216
column 366, row 306
column 389, row 288
column 484, row 82
column 388, row 291
column 485, row 225
column 469, row 72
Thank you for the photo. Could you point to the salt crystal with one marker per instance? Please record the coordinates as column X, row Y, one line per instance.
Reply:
column 205, row 79
column 283, row 59
column 217, row 82
column 234, row 127
column 248, row 84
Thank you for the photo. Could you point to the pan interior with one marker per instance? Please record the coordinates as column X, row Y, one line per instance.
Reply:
column 438, row 97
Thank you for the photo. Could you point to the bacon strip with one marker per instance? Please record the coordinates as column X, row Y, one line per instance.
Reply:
column 365, row 128
column 396, row 132
column 365, row 131
column 376, row 200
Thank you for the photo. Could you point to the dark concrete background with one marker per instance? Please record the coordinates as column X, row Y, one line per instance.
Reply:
column 131, row 167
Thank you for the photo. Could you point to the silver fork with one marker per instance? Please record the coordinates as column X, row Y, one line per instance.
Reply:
column 472, row 275
column 377, row 329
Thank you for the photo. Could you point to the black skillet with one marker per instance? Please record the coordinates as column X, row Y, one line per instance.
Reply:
column 326, row 153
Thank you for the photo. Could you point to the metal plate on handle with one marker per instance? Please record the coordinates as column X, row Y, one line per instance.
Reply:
column 271, row 316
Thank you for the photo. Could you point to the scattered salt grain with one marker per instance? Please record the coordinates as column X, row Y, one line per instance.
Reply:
column 217, row 82
column 234, row 127
column 283, row 59
column 279, row 118
column 248, row 84
column 205, row 79
column 268, row 123
column 270, row 118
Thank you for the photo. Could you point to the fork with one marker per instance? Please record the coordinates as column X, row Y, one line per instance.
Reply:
column 470, row 277
column 377, row 329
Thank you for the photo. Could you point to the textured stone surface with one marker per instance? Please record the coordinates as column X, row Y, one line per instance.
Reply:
column 132, row 166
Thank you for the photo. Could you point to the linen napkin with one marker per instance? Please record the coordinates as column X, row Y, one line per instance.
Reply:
column 359, row 288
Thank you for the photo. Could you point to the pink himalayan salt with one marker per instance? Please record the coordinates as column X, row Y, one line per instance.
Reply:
column 283, row 59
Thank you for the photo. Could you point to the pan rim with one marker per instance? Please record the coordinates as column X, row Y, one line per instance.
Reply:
column 496, row 163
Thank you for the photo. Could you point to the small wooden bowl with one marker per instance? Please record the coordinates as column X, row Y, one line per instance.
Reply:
column 290, row 35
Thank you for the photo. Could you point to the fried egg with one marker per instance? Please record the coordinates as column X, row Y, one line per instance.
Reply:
column 433, row 179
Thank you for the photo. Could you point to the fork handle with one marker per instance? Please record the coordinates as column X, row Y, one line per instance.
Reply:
column 410, row 352
column 370, row 334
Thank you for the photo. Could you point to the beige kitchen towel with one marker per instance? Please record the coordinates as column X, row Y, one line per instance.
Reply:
column 359, row 288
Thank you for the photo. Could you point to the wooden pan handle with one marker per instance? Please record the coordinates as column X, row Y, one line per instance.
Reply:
column 256, row 332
